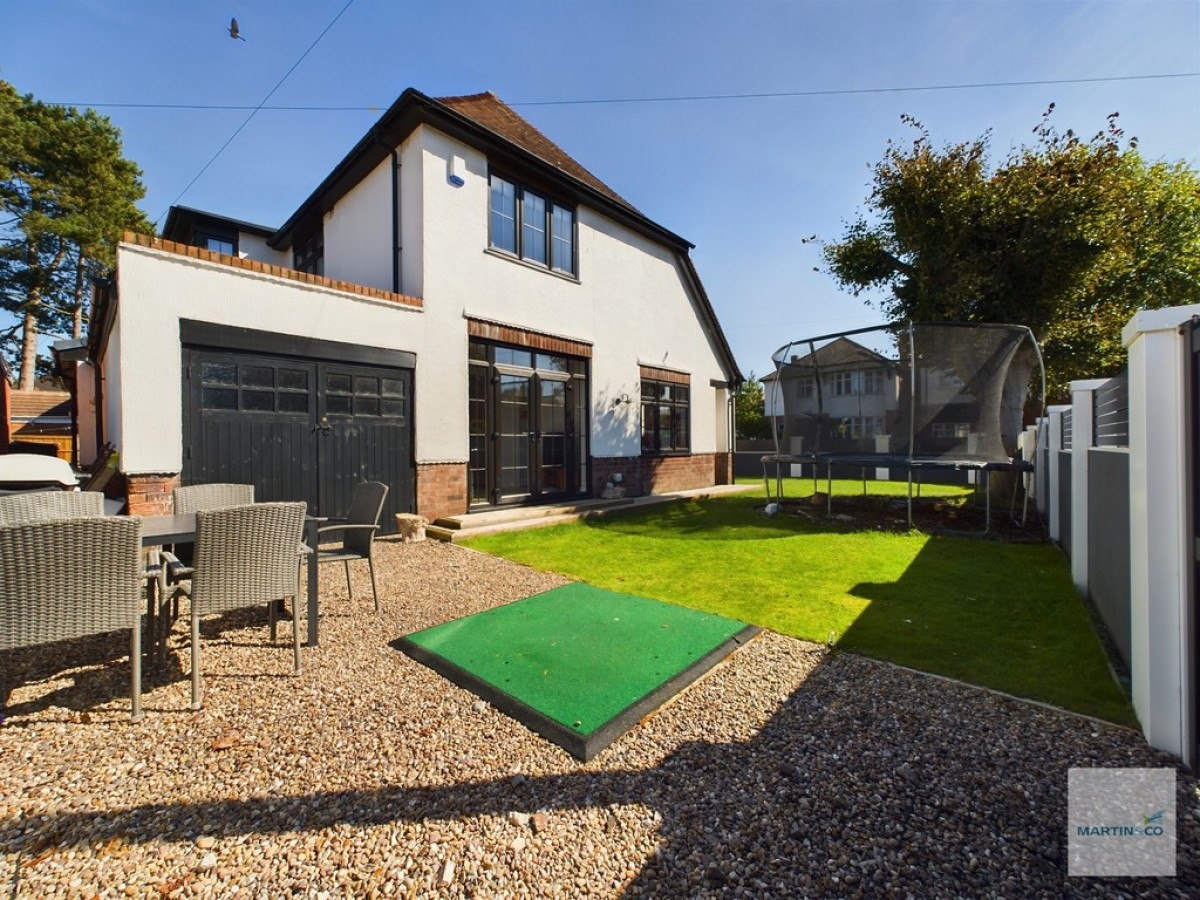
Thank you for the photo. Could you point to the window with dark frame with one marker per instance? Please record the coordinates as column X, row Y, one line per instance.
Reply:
column 308, row 255
column 666, row 425
column 531, row 227
column 217, row 243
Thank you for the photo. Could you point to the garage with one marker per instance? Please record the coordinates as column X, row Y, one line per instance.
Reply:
column 300, row 419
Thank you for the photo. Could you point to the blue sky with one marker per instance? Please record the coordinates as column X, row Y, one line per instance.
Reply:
column 744, row 179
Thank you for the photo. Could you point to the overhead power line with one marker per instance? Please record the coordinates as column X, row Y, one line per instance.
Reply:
column 681, row 98
column 255, row 110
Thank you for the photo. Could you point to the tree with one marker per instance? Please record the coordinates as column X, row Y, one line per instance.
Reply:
column 66, row 195
column 751, row 422
column 1068, row 237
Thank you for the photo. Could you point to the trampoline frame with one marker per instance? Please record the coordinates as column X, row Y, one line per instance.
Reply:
column 910, row 462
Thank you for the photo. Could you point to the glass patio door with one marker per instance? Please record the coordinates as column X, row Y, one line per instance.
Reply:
column 514, row 435
column 528, row 425
column 551, row 437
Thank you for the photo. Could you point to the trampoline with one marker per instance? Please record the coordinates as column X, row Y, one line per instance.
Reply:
column 918, row 397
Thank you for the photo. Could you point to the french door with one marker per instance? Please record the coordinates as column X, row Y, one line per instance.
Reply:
column 528, row 426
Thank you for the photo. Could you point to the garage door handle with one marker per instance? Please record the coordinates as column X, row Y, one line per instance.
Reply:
column 323, row 427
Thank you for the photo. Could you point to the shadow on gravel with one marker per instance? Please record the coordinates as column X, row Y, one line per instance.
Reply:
column 849, row 789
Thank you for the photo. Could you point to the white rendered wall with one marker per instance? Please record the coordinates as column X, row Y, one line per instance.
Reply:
column 1082, row 421
column 358, row 232
column 251, row 246
column 630, row 301
column 1160, row 557
column 142, row 366
column 85, row 399
column 1054, row 430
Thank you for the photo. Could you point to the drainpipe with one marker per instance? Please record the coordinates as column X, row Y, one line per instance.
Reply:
column 396, row 248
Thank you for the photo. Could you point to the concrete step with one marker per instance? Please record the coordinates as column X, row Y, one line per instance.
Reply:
column 460, row 528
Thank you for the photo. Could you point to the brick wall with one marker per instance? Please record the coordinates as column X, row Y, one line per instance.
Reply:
column 151, row 495
column 722, row 468
column 660, row 474
column 441, row 489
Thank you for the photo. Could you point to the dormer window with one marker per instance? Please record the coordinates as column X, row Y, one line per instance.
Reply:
column 309, row 254
column 217, row 243
column 530, row 226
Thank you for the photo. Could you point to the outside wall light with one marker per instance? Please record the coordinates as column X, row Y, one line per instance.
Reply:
column 620, row 398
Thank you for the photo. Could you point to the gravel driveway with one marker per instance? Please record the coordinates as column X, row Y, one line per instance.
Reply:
column 786, row 772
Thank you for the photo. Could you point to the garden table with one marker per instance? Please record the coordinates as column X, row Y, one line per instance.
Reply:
column 181, row 529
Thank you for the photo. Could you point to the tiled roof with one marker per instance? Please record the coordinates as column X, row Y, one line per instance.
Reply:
column 27, row 405
column 494, row 114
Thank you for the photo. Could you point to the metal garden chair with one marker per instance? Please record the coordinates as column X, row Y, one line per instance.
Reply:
column 68, row 578
column 245, row 555
column 358, row 532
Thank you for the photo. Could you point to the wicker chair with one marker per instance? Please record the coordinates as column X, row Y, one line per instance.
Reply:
column 17, row 508
column 358, row 532
column 195, row 497
column 245, row 555
column 67, row 578
column 192, row 499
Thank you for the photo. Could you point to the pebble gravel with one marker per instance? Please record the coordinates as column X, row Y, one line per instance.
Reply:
column 789, row 771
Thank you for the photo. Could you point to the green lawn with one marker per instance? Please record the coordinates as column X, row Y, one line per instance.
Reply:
column 1001, row 615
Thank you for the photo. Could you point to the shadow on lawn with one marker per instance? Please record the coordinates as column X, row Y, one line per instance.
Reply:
column 737, row 518
column 844, row 780
column 1003, row 615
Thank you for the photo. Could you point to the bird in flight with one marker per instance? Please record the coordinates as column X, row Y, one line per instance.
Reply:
column 233, row 30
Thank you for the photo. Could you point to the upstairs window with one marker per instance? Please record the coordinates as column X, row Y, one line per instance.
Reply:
column 217, row 243
column 531, row 227
column 309, row 254
column 868, row 381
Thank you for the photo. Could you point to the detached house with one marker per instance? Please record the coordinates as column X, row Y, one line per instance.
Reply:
column 459, row 309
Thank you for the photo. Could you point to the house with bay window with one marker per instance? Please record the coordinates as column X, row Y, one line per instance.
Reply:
column 459, row 309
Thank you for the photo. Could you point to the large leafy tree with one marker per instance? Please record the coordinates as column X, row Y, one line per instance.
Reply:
column 1067, row 236
column 66, row 194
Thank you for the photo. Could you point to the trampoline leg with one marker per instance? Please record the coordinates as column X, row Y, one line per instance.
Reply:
column 910, row 483
column 829, row 490
column 987, row 502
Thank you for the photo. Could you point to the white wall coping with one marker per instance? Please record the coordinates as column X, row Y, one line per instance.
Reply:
column 255, row 275
column 1156, row 320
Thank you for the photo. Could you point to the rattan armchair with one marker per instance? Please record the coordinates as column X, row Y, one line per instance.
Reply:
column 36, row 505
column 195, row 497
column 191, row 499
column 67, row 578
column 245, row 555
column 358, row 532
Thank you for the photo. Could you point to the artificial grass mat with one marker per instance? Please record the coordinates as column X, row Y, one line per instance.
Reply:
column 578, row 664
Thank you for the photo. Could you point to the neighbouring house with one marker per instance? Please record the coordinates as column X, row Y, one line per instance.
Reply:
column 845, row 391
column 39, row 421
column 459, row 309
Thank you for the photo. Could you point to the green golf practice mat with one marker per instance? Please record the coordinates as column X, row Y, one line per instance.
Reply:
column 577, row 664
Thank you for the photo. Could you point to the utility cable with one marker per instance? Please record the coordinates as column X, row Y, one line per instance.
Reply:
column 254, row 111
column 682, row 98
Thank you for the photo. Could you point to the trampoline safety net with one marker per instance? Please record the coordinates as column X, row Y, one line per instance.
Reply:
column 909, row 394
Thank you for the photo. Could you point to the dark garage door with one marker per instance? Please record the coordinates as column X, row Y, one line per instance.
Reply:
column 298, row 428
